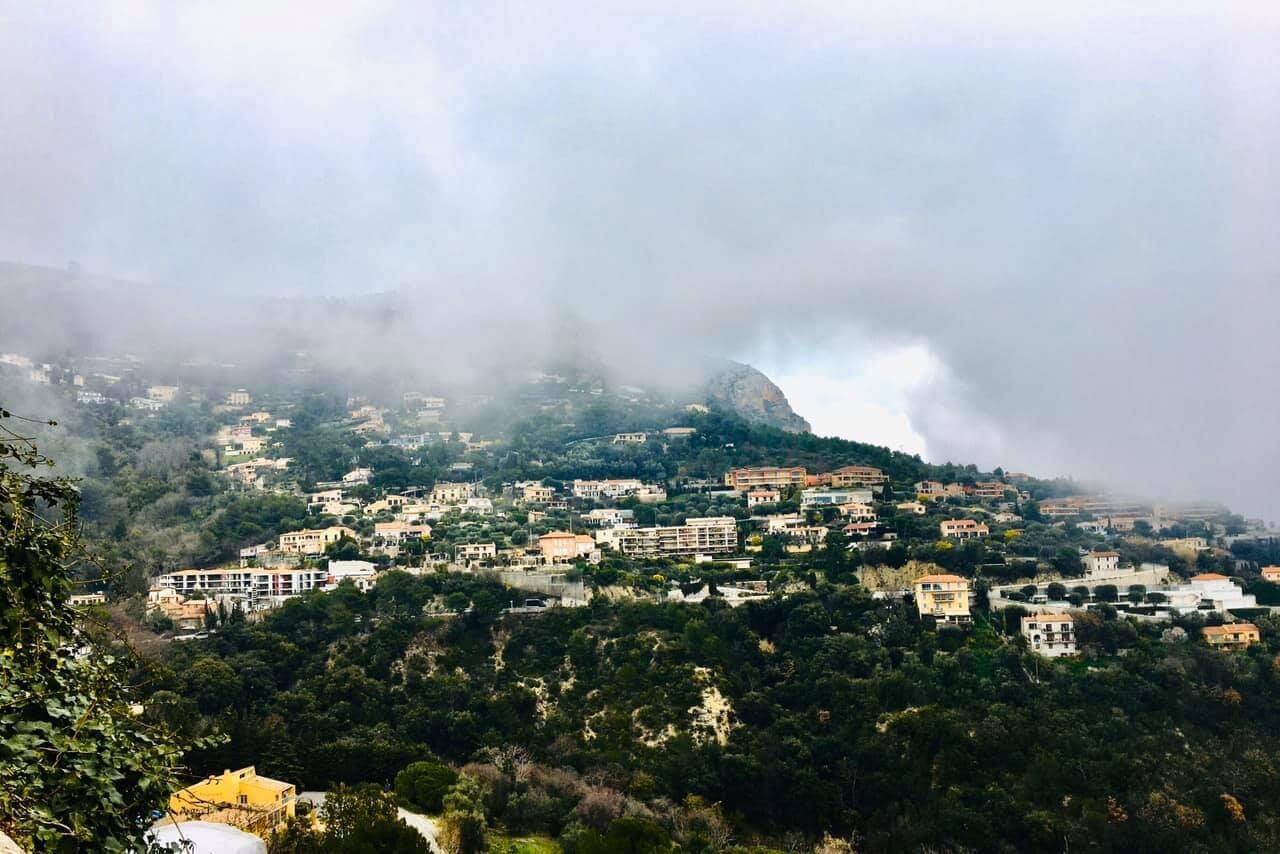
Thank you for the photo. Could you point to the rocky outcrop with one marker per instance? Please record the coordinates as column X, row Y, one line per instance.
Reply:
column 752, row 395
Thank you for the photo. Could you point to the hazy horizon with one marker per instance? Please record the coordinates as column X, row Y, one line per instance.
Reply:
column 1036, row 239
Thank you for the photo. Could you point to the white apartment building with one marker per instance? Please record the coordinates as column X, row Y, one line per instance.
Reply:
column 710, row 535
column 597, row 489
column 250, row 583
column 361, row 573
column 779, row 522
column 475, row 551
column 480, row 506
column 834, row 497
column 630, row 439
column 610, row 517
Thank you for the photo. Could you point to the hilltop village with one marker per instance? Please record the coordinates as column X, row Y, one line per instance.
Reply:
column 349, row 584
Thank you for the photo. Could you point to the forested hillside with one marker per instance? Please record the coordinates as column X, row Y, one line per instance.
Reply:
column 839, row 714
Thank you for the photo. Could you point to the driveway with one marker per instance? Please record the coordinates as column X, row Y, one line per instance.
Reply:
column 425, row 825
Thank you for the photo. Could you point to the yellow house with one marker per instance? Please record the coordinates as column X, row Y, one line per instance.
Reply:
column 239, row 798
column 1232, row 636
column 945, row 597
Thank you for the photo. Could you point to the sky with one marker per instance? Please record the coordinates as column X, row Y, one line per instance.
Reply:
column 1042, row 237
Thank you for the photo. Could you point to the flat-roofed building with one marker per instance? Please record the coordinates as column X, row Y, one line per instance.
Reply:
column 992, row 489
column 630, row 439
column 710, row 535
column 929, row 488
column 597, row 489
column 251, row 583
column 393, row 533
column 610, row 517
column 847, row 476
column 475, row 551
column 963, row 529
column 777, row 477
column 818, row 497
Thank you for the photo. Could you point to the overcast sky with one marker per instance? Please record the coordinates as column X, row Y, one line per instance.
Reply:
column 1039, row 239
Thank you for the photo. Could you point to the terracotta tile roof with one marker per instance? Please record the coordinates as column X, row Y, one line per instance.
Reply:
column 1230, row 629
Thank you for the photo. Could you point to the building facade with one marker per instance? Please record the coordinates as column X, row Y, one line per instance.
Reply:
column 963, row 529
column 1050, row 635
column 240, row 798
column 943, row 597
column 710, row 535
column 779, row 478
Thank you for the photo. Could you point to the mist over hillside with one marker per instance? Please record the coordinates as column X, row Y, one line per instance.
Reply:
column 390, row 341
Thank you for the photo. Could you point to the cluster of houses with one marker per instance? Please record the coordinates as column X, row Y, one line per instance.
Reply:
column 1049, row 630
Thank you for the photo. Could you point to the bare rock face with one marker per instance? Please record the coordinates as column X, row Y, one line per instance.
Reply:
column 752, row 395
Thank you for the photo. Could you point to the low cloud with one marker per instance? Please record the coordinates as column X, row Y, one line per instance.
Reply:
column 1073, row 211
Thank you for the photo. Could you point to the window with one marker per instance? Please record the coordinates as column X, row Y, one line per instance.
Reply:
column 243, row 800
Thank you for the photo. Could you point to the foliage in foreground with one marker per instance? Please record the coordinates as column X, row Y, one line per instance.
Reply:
column 79, row 769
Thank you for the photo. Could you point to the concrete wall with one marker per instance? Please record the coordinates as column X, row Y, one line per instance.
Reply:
column 544, row 583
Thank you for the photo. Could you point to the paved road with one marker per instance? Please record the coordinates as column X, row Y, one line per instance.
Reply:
column 421, row 823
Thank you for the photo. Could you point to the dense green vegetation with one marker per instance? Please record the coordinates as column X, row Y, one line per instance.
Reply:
column 79, row 770
column 635, row 725
column 848, row 716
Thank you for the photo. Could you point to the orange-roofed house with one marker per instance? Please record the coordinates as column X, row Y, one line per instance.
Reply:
column 944, row 597
column 1231, row 636
column 1271, row 573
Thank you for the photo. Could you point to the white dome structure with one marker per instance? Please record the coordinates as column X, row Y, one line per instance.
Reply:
column 209, row 837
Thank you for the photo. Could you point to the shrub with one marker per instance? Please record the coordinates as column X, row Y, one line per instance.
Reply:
column 422, row 785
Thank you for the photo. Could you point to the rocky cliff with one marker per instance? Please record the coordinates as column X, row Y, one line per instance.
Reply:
column 754, row 396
